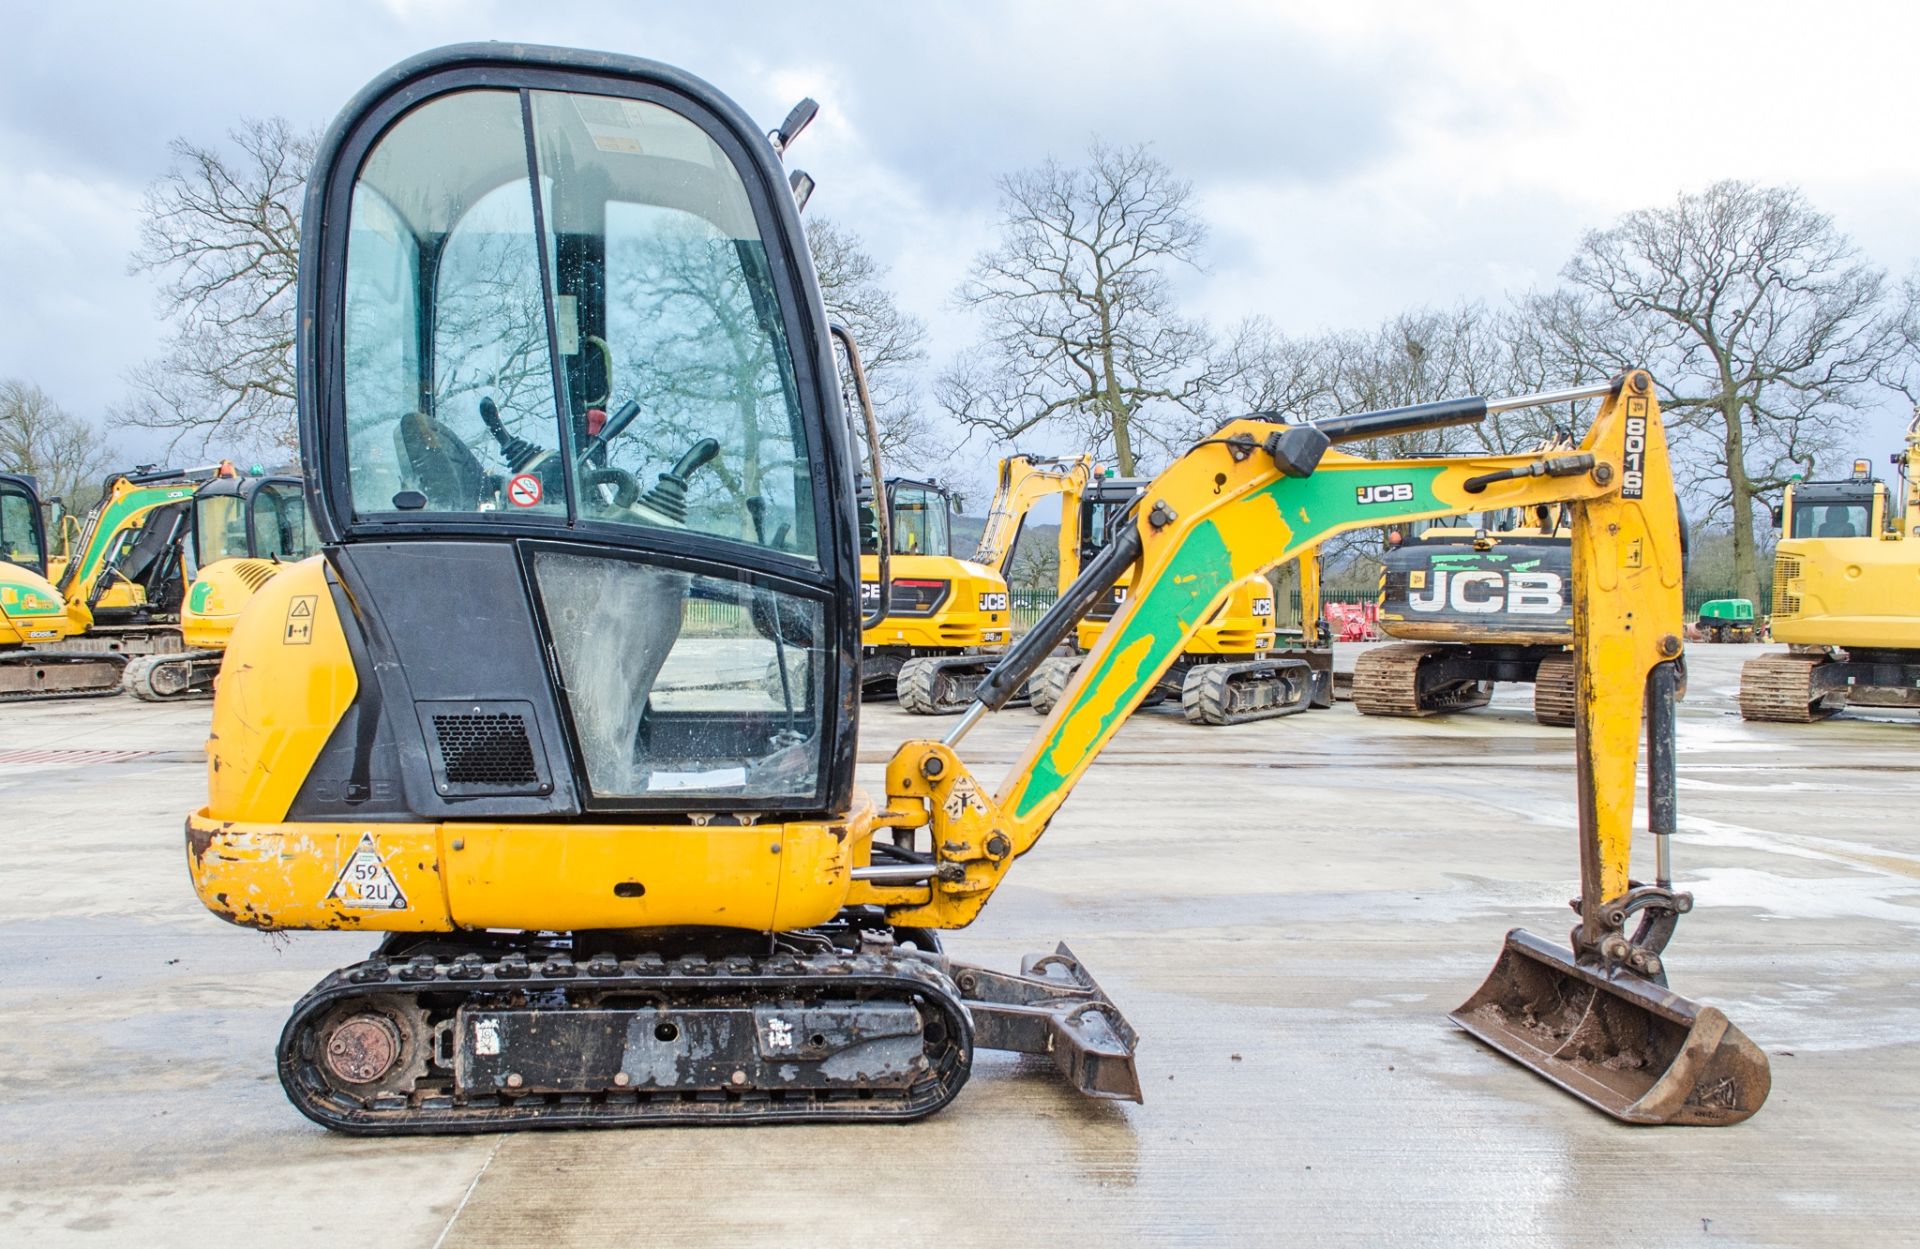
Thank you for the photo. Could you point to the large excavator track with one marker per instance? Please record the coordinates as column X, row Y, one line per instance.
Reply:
column 942, row 685
column 171, row 678
column 1553, row 691
column 1386, row 682
column 492, row 1040
column 1780, row 688
column 1239, row 693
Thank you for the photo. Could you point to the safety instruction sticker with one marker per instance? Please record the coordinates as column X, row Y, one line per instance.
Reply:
column 524, row 490
column 365, row 884
column 300, row 619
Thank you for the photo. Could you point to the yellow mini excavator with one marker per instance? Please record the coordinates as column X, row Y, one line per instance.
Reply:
column 942, row 684
column 616, row 886
column 32, row 613
column 1846, row 598
column 242, row 530
column 1236, row 667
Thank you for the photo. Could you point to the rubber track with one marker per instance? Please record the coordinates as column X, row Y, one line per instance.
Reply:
column 1780, row 688
column 1553, row 691
column 201, row 666
column 1208, row 694
column 940, row 685
column 1048, row 684
column 435, row 1107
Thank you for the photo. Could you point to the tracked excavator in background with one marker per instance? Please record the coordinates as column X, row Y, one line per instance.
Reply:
column 947, row 619
column 1474, row 600
column 242, row 530
column 119, row 590
column 942, row 684
column 614, row 888
column 1235, row 669
column 1846, row 597
column 32, row 613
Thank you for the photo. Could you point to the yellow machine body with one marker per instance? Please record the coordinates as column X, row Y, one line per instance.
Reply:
column 1858, row 591
column 32, row 612
column 220, row 591
column 971, row 611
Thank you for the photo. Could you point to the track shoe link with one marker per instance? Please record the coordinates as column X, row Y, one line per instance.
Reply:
column 1238, row 693
column 941, row 685
column 35, row 675
column 1049, row 682
column 1781, row 688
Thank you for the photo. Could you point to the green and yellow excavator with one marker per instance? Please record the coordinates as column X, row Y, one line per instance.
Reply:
column 613, row 885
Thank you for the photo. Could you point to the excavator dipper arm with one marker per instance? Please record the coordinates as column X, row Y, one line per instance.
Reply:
column 1259, row 493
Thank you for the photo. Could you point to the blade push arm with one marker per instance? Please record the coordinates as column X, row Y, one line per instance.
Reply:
column 1229, row 508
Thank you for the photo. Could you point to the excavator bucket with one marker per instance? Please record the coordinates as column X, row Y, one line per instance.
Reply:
column 1054, row 1007
column 1620, row 1043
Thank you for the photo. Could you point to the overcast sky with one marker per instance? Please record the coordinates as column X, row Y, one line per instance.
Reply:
column 1353, row 159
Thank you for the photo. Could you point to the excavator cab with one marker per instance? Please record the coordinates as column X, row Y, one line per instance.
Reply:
column 23, row 540
column 31, row 610
column 600, row 423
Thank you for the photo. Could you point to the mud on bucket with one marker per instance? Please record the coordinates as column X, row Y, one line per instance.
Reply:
column 1625, row 1045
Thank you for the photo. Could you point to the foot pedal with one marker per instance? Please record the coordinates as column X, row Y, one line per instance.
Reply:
column 1624, row 1045
column 1054, row 1007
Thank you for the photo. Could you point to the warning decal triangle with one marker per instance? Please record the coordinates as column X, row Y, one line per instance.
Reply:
column 365, row 884
column 302, row 606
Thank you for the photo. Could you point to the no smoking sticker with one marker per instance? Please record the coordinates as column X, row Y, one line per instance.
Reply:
column 524, row 490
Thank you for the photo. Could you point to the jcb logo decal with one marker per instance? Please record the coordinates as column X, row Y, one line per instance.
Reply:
column 1395, row 492
column 991, row 601
column 1520, row 593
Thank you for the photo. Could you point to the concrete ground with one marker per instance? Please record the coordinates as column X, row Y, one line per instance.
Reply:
column 1285, row 910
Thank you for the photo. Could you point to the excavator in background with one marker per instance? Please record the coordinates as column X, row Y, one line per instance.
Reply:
column 618, row 889
column 32, row 613
column 1235, row 669
column 1846, row 597
column 119, row 589
column 945, row 618
column 948, row 618
column 1475, row 600
column 243, row 529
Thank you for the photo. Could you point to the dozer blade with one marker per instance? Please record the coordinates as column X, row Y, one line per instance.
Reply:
column 1054, row 1007
column 1621, row 1044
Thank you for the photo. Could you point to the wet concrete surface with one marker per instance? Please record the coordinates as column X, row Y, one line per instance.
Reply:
column 1285, row 910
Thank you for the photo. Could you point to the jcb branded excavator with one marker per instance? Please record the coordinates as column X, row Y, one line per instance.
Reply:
column 1233, row 670
column 242, row 530
column 617, row 888
column 32, row 613
column 1473, row 605
column 119, row 590
column 942, row 683
column 946, row 617
column 1846, row 598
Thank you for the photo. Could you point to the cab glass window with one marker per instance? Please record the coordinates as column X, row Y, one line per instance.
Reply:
column 683, row 403
column 449, row 389
column 19, row 530
column 1830, row 520
column 281, row 529
column 713, row 685
column 921, row 523
column 219, row 528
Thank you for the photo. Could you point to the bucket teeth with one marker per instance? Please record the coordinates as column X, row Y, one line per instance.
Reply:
column 1623, row 1045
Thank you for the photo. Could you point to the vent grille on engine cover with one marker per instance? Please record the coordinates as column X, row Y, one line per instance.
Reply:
column 1785, row 568
column 484, row 748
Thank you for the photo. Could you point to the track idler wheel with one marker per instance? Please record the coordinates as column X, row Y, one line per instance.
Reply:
column 1622, row 1044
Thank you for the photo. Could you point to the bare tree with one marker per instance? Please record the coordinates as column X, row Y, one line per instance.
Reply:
column 1080, row 325
column 1759, row 321
column 892, row 342
column 222, row 232
column 66, row 455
